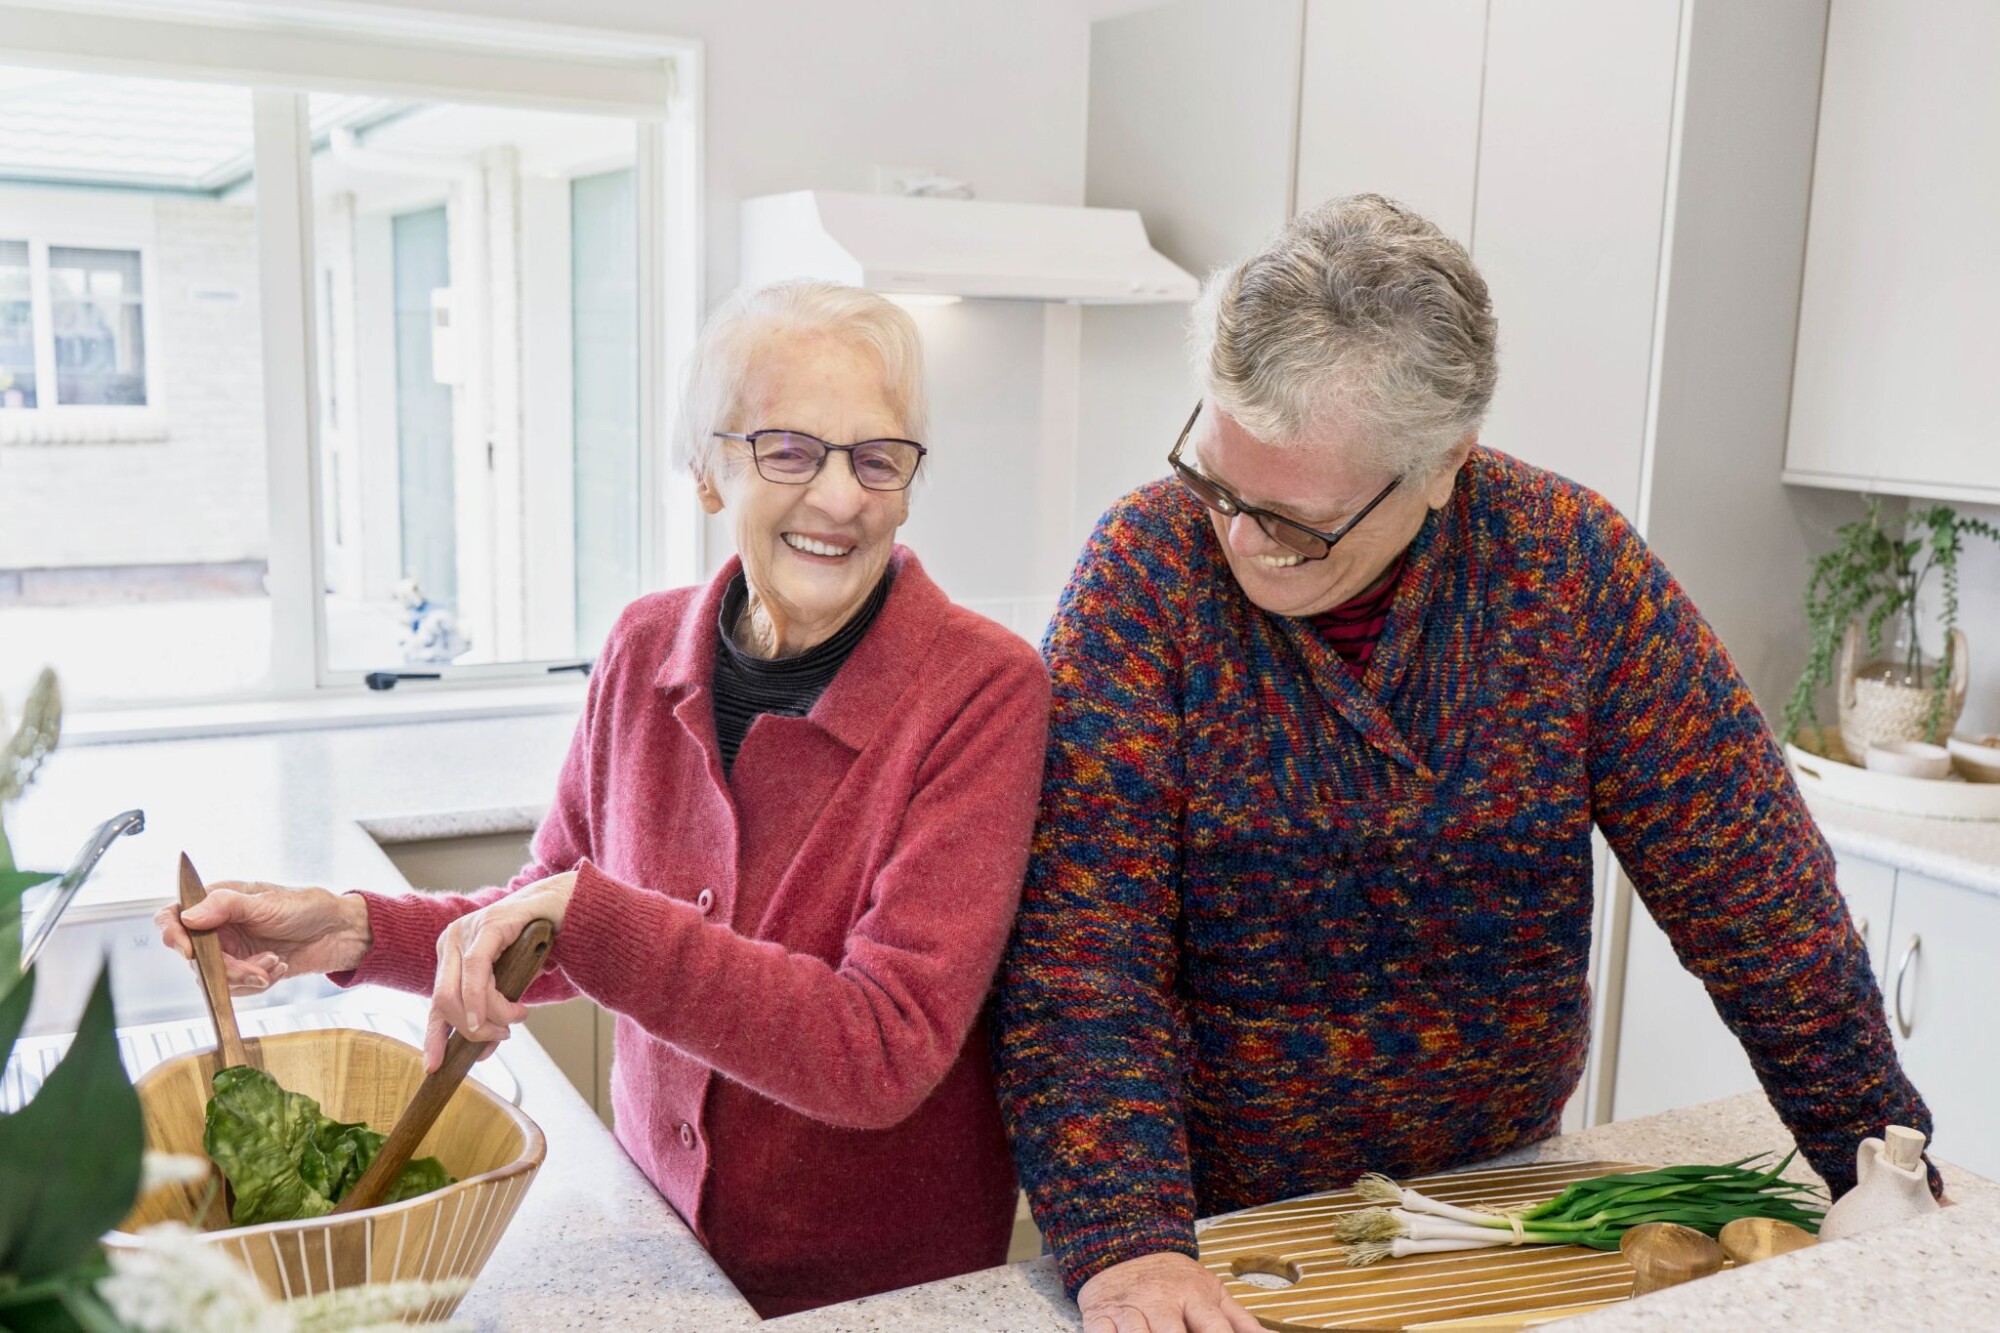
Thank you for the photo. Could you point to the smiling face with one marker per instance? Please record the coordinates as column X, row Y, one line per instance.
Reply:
column 1322, row 486
column 811, row 553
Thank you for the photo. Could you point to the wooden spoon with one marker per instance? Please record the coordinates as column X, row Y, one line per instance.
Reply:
column 229, row 1047
column 214, row 972
column 1749, row 1240
column 1666, row 1254
column 511, row 975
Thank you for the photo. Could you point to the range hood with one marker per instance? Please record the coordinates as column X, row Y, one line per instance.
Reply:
column 897, row 244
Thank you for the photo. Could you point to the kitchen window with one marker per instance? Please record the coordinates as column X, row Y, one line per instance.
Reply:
column 71, row 317
column 412, row 289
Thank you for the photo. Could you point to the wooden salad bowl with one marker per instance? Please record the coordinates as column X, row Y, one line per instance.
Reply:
column 491, row 1150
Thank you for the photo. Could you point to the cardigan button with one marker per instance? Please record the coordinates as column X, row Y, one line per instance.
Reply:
column 687, row 1135
column 705, row 900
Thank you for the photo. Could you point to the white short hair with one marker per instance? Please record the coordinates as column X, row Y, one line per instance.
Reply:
column 739, row 328
column 1361, row 313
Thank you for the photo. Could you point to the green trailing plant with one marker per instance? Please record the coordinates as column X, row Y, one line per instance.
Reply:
column 1875, row 576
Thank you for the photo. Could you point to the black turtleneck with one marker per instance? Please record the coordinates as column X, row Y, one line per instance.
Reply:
column 746, row 685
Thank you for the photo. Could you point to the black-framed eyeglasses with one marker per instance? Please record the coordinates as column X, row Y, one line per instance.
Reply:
column 1289, row 533
column 793, row 458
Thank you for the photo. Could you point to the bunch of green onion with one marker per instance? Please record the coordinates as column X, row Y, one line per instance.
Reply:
column 1595, row 1213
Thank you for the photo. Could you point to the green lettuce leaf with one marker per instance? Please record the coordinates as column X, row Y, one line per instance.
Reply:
column 284, row 1160
column 421, row 1176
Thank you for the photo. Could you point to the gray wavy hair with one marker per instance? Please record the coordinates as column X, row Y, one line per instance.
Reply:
column 1359, row 311
column 746, row 321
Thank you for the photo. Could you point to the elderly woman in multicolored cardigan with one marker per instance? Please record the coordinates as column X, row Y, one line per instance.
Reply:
column 785, row 849
column 1336, row 710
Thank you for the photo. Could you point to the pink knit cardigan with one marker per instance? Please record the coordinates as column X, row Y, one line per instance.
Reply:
column 798, row 956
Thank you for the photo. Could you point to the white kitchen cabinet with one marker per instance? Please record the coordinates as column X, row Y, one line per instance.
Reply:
column 1897, row 341
column 1389, row 104
column 1572, row 184
column 1932, row 945
column 1944, row 1000
column 1673, row 1049
column 1870, row 890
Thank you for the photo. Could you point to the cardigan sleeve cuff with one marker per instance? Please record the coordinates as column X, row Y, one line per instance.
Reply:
column 616, row 938
column 403, row 930
column 1084, row 1252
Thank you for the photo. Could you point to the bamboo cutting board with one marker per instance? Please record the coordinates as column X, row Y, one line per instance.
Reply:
column 1293, row 1240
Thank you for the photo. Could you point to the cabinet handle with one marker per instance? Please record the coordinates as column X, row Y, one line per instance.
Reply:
column 1909, row 956
column 1862, row 925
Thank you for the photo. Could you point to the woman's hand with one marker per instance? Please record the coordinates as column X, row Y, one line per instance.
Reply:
column 464, row 998
column 1160, row 1293
column 269, row 932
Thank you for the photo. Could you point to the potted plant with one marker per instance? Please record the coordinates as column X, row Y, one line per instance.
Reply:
column 1869, row 588
column 73, row 1162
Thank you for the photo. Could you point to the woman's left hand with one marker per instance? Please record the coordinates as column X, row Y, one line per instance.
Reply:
column 464, row 997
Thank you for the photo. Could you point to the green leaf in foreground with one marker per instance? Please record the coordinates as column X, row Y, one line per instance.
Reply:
column 14, row 883
column 286, row 1161
column 70, row 1156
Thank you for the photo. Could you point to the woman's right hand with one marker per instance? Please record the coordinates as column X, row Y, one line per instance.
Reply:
column 1161, row 1293
column 269, row 932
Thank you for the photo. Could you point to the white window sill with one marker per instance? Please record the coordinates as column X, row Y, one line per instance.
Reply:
column 82, row 425
column 406, row 704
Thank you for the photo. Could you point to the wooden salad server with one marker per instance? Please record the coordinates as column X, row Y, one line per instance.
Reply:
column 229, row 1048
column 208, row 961
column 512, row 973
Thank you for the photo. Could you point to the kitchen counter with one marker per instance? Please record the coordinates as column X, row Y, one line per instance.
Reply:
column 297, row 807
column 1961, row 851
column 313, row 807
column 595, row 1246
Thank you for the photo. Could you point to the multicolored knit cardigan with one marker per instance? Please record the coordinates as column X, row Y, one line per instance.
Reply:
column 1283, row 926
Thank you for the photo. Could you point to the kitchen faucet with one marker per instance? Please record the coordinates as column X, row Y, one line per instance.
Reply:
column 131, row 821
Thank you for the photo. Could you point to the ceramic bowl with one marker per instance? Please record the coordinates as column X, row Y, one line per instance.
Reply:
column 1977, row 758
column 1910, row 759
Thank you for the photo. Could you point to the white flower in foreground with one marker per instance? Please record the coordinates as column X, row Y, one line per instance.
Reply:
column 365, row 1309
column 160, row 1169
column 178, row 1283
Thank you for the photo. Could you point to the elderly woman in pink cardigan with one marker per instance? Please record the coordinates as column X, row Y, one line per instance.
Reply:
column 785, row 849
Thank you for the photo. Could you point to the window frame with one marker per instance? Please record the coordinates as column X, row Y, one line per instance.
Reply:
column 656, row 81
column 51, row 421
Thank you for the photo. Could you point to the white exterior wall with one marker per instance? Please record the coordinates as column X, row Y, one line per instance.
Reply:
column 197, row 493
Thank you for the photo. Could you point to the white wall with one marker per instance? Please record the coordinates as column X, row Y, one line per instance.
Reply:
column 1741, row 543
column 1192, row 111
column 193, row 490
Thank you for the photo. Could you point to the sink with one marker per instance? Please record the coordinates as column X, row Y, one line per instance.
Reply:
column 148, row 1044
column 150, row 983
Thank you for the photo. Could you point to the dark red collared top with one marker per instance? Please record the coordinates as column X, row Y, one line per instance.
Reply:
column 1352, row 628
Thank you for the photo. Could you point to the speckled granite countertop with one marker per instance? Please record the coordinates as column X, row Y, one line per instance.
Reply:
column 312, row 807
column 297, row 807
column 1963, row 851
column 1942, row 1273
column 594, row 1246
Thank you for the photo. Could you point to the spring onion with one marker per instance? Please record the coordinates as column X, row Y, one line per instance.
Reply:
column 1594, row 1213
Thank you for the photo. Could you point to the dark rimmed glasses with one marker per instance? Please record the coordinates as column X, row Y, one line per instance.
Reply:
column 1289, row 533
column 793, row 458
